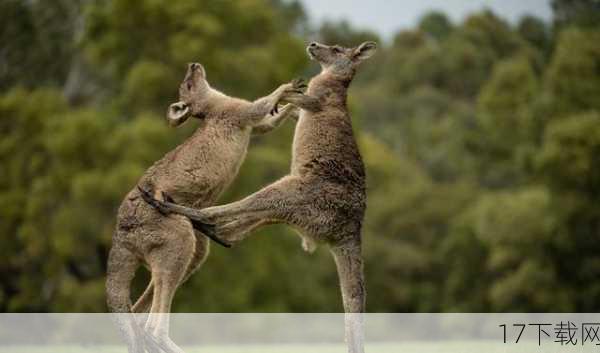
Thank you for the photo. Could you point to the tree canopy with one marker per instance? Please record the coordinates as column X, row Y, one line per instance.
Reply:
column 481, row 141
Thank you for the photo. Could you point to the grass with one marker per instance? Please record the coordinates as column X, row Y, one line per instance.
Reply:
column 428, row 347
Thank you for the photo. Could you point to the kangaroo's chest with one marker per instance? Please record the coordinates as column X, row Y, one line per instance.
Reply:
column 325, row 135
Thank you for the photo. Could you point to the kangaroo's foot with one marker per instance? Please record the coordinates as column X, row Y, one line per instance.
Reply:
column 157, row 204
column 210, row 231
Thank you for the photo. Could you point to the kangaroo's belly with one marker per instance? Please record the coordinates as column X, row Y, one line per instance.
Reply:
column 324, row 145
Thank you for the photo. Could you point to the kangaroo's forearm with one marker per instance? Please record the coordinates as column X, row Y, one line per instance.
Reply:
column 271, row 122
column 262, row 106
column 303, row 101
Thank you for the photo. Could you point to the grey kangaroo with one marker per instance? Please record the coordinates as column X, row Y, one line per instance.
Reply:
column 195, row 173
column 324, row 196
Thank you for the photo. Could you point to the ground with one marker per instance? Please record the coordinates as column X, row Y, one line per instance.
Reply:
column 453, row 347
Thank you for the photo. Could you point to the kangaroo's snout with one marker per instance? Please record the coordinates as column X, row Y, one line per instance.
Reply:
column 312, row 49
column 195, row 70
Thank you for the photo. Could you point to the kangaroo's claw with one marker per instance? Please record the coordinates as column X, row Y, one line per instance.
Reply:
column 275, row 110
column 167, row 198
column 210, row 231
column 157, row 204
column 299, row 83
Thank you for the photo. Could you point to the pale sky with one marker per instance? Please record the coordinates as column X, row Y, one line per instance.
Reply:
column 387, row 16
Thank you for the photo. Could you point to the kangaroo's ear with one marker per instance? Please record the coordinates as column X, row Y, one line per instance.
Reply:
column 365, row 51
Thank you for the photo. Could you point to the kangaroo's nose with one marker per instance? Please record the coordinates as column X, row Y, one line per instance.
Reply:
column 194, row 66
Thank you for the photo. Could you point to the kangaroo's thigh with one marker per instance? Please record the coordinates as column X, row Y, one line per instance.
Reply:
column 201, row 251
column 293, row 200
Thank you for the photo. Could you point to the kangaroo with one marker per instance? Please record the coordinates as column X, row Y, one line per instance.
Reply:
column 324, row 196
column 195, row 173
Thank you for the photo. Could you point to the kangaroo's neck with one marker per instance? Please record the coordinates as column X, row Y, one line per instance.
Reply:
column 209, row 103
column 330, row 88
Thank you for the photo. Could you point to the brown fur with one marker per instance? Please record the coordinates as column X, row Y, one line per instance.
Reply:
column 195, row 174
column 324, row 195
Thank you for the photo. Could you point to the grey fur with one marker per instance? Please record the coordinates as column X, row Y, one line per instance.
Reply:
column 195, row 174
column 324, row 196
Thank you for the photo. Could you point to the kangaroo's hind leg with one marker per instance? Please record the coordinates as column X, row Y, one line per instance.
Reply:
column 281, row 202
column 239, row 228
column 349, row 263
column 276, row 200
column 144, row 302
column 168, row 264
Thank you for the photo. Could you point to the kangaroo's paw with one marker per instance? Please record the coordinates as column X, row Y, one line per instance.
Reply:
column 299, row 84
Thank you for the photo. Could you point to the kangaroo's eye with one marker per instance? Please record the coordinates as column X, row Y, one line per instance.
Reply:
column 337, row 50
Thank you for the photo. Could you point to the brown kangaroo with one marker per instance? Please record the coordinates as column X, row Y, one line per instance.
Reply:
column 195, row 173
column 324, row 196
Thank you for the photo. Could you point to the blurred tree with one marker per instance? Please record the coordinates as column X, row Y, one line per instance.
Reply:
column 513, row 234
column 436, row 24
column 536, row 32
column 38, row 41
column 23, row 159
column 508, row 130
column 569, row 164
column 585, row 13
column 480, row 138
column 237, row 42
column 481, row 41
column 572, row 79
column 568, row 159
column 520, row 237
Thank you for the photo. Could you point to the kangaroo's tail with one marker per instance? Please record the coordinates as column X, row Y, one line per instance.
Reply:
column 122, row 265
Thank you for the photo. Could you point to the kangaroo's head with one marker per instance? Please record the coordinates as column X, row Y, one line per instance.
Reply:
column 339, row 60
column 192, row 93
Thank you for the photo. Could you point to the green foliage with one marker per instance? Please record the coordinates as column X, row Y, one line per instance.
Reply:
column 585, row 13
column 515, row 231
column 436, row 24
column 37, row 49
column 572, row 77
column 536, row 32
column 481, row 142
column 510, row 126
column 236, row 41
column 507, row 129
column 570, row 156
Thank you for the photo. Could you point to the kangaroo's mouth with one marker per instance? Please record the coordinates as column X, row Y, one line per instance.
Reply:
column 311, row 55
